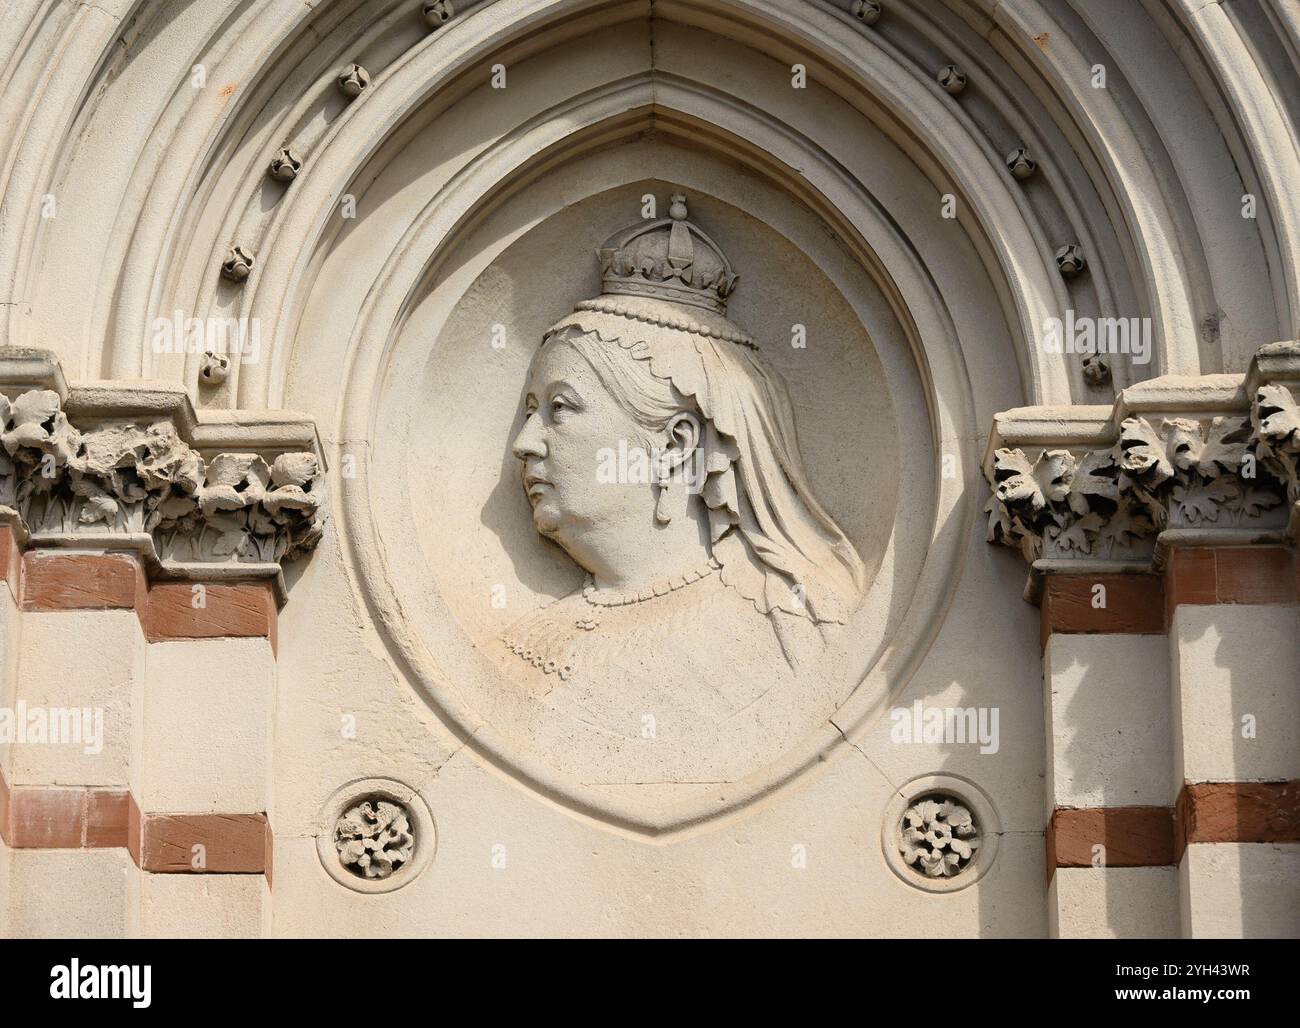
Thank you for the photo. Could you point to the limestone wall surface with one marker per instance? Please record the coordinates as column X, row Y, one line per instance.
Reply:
column 649, row 468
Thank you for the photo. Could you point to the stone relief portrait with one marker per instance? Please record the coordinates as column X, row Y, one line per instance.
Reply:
column 659, row 451
column 649, row 518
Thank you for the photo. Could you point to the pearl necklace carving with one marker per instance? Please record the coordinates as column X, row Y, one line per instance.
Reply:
column 598, row 598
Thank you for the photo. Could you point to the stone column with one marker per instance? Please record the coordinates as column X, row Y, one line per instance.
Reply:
column 1109, row 833
column 198, row 826
column 1233, row 652
column 80, row 662
column 10, row 562
column 1161, row 538
column 140, row 546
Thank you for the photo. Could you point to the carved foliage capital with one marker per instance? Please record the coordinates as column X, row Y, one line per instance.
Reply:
column 1275, row 419
column 1218, row 472
column 130, row 476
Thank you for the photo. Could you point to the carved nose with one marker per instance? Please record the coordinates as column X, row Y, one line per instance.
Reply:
column 529, row 442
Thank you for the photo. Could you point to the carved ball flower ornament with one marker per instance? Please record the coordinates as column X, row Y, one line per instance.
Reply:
column 952, row 79
column 1021, row 164
column 285, row 165
column 437, row 13
column 214, row 368
column 237, row 265
column 1096, row 372
column 353, row 80
column 866, row 11
column 1070, row 260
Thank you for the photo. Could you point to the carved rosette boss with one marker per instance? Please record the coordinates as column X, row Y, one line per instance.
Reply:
column 938, row 836
column 374, row 838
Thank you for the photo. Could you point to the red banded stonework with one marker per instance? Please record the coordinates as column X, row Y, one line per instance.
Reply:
column 1169, row 638
column 140, row 587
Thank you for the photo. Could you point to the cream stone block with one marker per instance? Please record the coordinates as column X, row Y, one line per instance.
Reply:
column 68, row 894
column 1240, row 890
column 215, row 906
column 79, row 674
column 1235, row 696
column 339, row 705
column 1106, row 702
column 1114, row 903
column 9, row 616
column 206, row 731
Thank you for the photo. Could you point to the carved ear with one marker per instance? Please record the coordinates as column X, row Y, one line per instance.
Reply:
column 683, row 438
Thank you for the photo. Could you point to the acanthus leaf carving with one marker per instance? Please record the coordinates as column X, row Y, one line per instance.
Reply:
column 1179, row 472
column 130, row 477
column 1077, row 534
column 1275, row 416
column 1095, row 482
column 1027, row 497
column 1130, row 523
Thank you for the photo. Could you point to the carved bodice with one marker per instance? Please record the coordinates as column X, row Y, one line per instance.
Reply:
column 661, row 679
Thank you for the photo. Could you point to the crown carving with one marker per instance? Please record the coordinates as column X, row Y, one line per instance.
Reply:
column 668, row 259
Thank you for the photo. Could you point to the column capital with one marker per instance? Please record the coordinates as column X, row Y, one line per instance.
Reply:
column 204, row 495
column 1176, row 461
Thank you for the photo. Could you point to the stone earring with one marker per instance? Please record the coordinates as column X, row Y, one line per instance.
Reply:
column 664, row 482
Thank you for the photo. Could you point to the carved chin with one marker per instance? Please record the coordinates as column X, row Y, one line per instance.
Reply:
column 546, row 522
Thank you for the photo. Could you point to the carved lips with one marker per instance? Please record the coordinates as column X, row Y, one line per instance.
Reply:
column 533, row 486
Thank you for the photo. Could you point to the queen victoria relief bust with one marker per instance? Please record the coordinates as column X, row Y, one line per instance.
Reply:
column 659, row 451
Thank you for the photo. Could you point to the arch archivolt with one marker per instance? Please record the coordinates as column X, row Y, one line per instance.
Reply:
column 189, row 165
